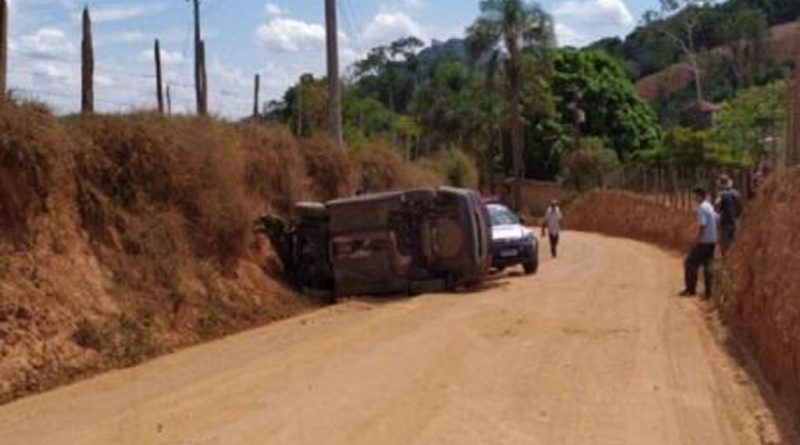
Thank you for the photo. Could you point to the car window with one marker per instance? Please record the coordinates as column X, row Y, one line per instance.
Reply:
column 502, row 216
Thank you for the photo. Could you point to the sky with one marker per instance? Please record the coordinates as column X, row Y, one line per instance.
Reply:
column 279, row 39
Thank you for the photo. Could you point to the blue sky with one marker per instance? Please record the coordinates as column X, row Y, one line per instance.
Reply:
column 280, row 39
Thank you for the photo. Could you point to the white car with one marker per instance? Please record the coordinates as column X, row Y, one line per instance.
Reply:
column 512, row 243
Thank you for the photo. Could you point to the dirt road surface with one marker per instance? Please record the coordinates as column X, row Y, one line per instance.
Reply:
column 595, row 349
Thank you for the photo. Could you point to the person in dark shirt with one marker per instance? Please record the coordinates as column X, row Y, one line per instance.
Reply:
column 729, row 208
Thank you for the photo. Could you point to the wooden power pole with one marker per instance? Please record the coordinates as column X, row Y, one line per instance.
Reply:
column 334, row 87
column 87, row 65
column 200, row 78
column 203, row 79
column 159, row 78
column 3, row 47
column 255, row 96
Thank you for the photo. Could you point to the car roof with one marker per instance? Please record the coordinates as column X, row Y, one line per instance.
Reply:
column 498, row 206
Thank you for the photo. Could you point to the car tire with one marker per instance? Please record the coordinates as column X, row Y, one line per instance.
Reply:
column 531, row 267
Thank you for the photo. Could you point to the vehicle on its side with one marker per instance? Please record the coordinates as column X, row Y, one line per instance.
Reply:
column 513, row 244
column 404, row 242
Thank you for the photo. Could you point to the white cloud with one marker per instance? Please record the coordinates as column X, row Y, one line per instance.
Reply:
column 274, row 10
column 594, row 13
column 121, row 12
column 568, row 36
column 167, row 57
column 292, row 36
column 129, row 37
column 47, row 43
column 580, row 21
column 388, row 26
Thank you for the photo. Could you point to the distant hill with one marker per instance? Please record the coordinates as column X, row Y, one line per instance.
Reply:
column 784, row 46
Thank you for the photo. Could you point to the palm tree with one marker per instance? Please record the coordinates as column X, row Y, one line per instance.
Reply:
column 516, row 32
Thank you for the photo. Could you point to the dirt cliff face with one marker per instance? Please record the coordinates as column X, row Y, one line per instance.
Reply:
column 630, row 215
column 123, row 237
column 762, row 296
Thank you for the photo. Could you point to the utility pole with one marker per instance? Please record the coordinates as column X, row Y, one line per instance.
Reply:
column 159, row 79
column 334, row 87
column 200, row 83
column 3, row 47
column 255, row 95
column 203, row 80
column 87, row 65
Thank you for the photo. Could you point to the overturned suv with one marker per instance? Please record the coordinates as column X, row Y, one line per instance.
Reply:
column 403, row 242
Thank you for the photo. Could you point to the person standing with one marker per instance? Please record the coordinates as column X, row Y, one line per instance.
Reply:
column 552, row 225
column 729, row 206
column 702, row 254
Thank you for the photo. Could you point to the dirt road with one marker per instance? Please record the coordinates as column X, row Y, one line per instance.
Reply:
column 595, row 349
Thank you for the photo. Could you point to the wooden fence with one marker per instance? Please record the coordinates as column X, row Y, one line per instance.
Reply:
column 674, row 187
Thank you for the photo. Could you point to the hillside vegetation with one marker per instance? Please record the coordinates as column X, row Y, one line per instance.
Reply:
column 123, row 237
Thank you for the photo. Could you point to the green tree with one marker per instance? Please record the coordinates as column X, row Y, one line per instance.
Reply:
column 523, row 34
column 751, row 122
column 389, row 73
column 304, row 107
column 593, row 86
column 687, row 149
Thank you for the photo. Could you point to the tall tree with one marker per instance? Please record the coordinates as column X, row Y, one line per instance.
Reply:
column 746, row 30
column 679, row 21
column 515, row 29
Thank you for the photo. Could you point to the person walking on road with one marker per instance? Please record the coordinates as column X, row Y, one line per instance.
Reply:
column 729, row 207
column 702, row 254
column 552, row 225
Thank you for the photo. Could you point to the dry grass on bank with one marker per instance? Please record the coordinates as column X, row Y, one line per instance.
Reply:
column 122, row 237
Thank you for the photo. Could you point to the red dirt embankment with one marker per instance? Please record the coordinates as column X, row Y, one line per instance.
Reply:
column 763, row 299
column 123, row 237
column 625, row 214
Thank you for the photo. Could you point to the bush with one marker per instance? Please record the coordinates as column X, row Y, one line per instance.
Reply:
column 590, row 165
column 381, row 169
column 34, row 157
column 455, row 168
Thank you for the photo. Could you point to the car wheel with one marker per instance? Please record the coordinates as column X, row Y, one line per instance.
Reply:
column 531, row 267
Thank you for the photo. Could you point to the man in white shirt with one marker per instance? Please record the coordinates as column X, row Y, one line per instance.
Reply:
column 702, row 254
column 552, row 225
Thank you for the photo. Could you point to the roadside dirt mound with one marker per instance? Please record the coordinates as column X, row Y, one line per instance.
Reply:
column 762, row 298
column 123, row 237
column 624, row 214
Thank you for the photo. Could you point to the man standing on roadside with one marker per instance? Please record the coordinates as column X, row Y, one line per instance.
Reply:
column 729, row 206
column 552, row 225
column 702, row 254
